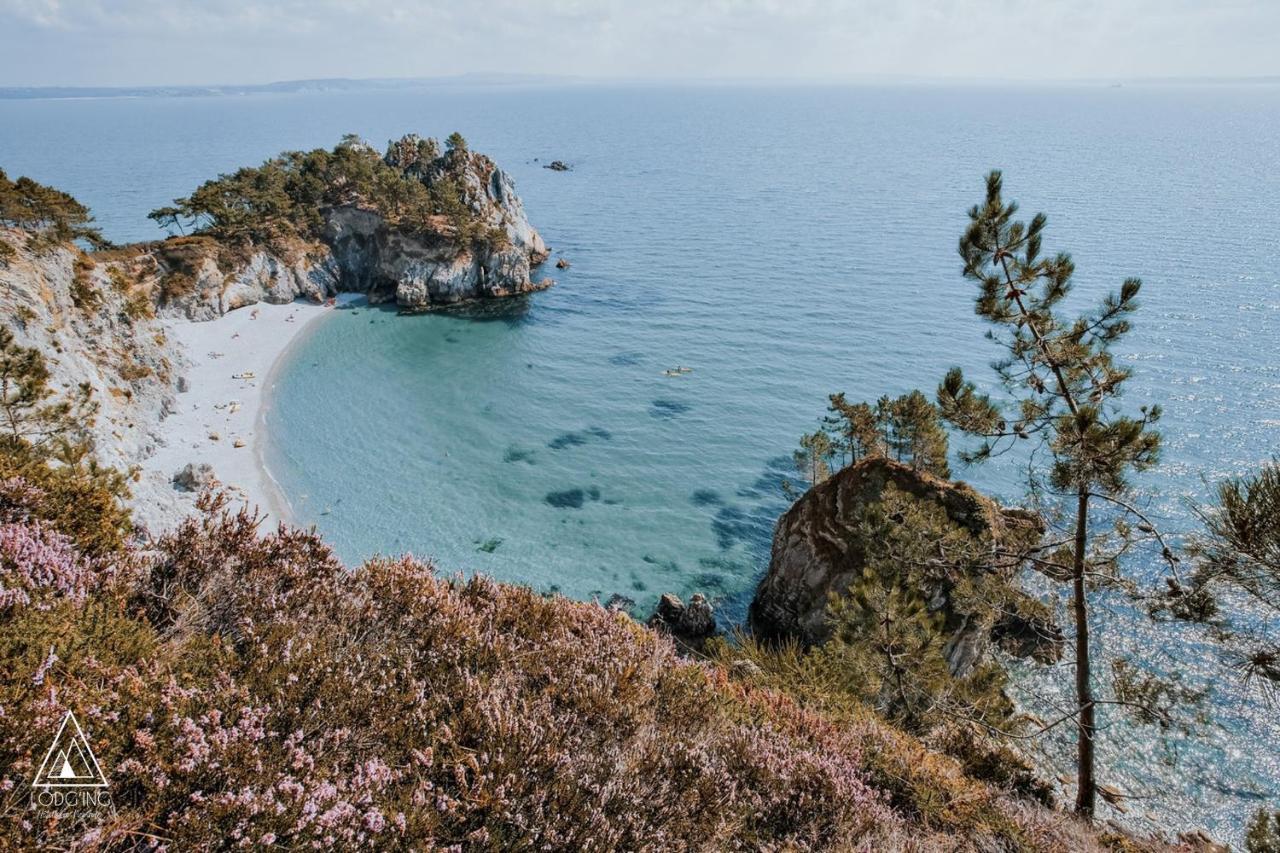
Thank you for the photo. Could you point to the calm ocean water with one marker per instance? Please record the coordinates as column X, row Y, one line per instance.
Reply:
column 784, row 243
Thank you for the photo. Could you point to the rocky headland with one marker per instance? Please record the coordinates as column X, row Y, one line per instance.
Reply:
column 413, row 226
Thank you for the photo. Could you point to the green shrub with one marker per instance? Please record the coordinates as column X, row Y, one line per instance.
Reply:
column 283, row 200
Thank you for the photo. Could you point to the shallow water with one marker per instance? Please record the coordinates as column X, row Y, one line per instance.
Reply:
column 784, row 243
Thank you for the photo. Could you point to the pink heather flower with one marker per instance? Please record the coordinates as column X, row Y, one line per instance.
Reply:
column 17, row 498
column 37, row 564
column 44, row 668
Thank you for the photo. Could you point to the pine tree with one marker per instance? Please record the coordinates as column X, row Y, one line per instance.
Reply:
column 918, row 436
column 1061, row 380
column 908, row 429
column 813, row 458
column 455, row 142
column 1263, row 833
column 1239, row 553
column 854, row 427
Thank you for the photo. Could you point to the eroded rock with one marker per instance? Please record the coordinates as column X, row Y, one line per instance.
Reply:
column 817, row 551
column 689, row 624
column 194, row 477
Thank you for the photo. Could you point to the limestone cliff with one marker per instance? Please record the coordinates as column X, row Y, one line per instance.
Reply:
column 353, row 241
column 818, row 550
column 91, row 317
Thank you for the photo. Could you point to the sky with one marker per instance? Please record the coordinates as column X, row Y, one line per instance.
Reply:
column 192, row 42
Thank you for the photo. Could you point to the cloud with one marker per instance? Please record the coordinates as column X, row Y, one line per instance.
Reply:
column 195, row 41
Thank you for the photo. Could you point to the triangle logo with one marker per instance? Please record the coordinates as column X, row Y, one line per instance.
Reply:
column 70, row 762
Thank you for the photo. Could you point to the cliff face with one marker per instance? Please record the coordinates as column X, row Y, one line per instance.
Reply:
column 819, row 550
column 93, row 321
column 488, row 250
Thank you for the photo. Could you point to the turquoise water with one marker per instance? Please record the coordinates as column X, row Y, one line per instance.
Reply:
column 784, row 243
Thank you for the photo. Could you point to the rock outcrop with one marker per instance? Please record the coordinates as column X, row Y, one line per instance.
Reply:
column 817, row 552
column 194, row 477
column 690, row 625
column 419, row 264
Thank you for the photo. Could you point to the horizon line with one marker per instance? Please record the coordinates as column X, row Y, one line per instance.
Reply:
column 516, row 78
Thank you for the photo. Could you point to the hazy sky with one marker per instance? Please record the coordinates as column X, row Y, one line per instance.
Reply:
column 132, row 42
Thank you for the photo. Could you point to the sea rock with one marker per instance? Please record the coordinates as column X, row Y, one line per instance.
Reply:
column 194, row 477
column 1201, row 841
column 563, row 264
column 689, row 624
column 619, row 603
column 1029, row 637
column 817, row 552
column 558, row 166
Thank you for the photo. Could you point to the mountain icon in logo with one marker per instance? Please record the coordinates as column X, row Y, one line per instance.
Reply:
column 70, row 762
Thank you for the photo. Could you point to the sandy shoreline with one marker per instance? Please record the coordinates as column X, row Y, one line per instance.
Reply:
column 219, row 419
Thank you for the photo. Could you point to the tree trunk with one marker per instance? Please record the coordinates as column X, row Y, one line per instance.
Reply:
column 1086, row 785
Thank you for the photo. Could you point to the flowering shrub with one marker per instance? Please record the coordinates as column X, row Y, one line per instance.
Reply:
column 39, row 565
column 247, row 691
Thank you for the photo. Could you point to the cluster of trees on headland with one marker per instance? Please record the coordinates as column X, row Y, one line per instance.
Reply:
column 416, row 184
column 49, row 215
column 1059, row 408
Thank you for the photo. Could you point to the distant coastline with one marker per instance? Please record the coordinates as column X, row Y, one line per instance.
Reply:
column 288, row 87
column 330, row 85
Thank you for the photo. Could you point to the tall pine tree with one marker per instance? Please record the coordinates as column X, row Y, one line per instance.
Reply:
column 1061, row 387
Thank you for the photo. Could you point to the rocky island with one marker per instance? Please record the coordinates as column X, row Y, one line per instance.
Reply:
column 415, row 225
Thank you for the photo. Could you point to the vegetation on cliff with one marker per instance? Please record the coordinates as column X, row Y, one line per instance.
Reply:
column 50, row 216
column 46, row 454
column 414, row 185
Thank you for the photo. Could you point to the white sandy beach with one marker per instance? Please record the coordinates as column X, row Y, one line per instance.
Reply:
column 219, row 418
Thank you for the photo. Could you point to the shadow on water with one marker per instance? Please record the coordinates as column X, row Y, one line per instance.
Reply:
column 515, row 311
column 706, row 497
column 668, row 409
column 627, row 359
column 747, row 526
column 579, row 438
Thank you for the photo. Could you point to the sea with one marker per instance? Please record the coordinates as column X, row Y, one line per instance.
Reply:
column 782, row 243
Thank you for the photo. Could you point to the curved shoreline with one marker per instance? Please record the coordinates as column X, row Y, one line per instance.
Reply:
column 232, row 362
column 273, row 495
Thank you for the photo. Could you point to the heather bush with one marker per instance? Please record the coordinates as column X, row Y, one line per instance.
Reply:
column 245, row 690
column 248, row 688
